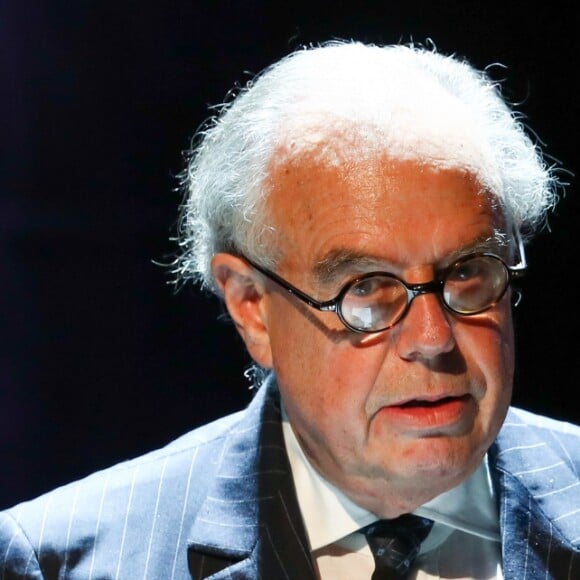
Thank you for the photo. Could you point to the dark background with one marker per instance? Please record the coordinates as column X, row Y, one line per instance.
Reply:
column 99, row 359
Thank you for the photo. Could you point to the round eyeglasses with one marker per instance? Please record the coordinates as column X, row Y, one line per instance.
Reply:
column 376, row 301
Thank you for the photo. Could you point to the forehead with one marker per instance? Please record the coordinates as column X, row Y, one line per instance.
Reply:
column 399, row 211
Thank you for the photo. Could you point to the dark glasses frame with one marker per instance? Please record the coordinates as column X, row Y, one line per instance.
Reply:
column 413, row 290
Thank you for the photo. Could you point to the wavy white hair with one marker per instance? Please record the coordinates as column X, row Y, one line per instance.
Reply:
column 408, row 101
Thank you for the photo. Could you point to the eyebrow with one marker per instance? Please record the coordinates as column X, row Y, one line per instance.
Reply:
column 341, row 262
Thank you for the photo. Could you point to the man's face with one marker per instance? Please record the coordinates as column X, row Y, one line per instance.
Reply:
column 396, row 417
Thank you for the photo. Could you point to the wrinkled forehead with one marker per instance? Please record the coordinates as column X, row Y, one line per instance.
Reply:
column 329, row 190
column 327, row 187
column 441, row 140
column 317, row 141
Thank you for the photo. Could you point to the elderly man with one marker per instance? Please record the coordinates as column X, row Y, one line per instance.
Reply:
column 362, row 211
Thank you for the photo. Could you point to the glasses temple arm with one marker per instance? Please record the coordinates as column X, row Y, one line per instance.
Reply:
column 329, row 306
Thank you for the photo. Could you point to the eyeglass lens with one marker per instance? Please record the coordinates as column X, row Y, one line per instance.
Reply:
column 469, row 287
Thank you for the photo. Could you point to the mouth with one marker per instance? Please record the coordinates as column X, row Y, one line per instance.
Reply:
column 430, row 413
column 417, row 403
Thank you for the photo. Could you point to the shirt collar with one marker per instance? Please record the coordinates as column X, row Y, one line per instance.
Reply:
column 329, row 515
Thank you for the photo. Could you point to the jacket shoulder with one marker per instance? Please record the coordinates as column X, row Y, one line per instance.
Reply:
column 562, row 438
column 535, row 466
column 543, row 454
column 121, row 515
column 543, row 423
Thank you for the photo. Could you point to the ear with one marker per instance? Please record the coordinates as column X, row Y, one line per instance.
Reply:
column 244, row 296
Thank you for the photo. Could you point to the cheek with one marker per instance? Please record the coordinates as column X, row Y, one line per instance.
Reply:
column 489, row 351
column 325, row 380
column 311, row 348
column 499, row 354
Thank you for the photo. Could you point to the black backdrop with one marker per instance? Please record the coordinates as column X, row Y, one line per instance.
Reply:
column 99, row 359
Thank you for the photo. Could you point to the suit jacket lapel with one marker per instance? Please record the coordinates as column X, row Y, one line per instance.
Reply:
column 539, row 501
column 249, row 525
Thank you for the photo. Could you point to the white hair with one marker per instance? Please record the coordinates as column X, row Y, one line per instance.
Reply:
column 408, row 101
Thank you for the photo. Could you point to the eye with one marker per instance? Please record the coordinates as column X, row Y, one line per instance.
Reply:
column 479, row 269
column 365, row 287
column 475, row 284
column 380, row 288
column 374, row 302
column 468, row 270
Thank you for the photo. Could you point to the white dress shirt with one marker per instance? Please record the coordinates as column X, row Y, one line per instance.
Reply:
column 464, row 542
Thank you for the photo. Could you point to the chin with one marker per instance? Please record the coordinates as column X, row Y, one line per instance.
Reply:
column 442, row 459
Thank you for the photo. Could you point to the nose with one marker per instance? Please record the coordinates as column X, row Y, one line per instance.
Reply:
column 425, row 332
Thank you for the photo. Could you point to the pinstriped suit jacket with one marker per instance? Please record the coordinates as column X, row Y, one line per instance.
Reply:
column 219, row 502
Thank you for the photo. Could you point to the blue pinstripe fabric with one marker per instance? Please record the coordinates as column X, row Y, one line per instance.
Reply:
column 188, row 510
column 221, row 501
column 535, row 466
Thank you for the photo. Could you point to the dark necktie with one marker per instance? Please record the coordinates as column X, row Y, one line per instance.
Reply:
column 395, row 544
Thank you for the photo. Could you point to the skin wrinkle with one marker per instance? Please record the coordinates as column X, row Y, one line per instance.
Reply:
column 335, row 335
column 352, row 231
column 343, row 264
column 337, row 385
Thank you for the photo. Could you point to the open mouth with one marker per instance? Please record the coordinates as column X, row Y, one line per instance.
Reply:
column 430, row 413
column 424, row 403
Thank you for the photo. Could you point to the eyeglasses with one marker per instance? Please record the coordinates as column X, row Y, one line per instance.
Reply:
column 376, row 301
